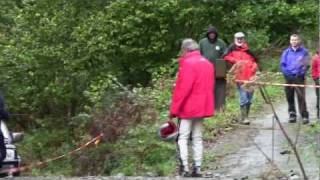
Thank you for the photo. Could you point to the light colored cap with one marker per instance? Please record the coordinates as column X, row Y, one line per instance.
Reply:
column 239, row 35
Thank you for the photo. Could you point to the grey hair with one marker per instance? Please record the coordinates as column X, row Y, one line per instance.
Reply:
column 189, row 45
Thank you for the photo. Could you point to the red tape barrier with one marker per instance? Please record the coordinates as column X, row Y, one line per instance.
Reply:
column 95, row 140
column 278, row 84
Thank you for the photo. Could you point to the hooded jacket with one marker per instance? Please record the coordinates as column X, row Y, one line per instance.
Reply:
column 192, row 95
column 245, row 60
column 212, row 49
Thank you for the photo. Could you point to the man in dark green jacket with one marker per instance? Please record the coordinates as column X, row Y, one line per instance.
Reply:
column 213, row 48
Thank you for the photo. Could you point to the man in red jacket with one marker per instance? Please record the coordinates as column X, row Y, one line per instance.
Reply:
column 245, row 67
column 192, row 101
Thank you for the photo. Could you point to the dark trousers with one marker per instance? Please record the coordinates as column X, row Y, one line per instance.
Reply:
column 300, row 91
column 316, row 82
column 220, row 94
column 3, row 151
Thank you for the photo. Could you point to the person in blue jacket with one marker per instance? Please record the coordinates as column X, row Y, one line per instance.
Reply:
column 294, row 65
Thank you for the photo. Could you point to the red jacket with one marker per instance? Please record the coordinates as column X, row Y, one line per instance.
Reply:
column 315, row 71
column 193, row 91
column 245, row 70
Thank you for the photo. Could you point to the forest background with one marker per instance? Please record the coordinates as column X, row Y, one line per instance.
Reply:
column 71, row 69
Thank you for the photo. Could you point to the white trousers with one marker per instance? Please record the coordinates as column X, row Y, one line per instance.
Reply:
column 193, row 127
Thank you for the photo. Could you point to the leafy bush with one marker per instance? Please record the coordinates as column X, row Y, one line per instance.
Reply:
column 121, row 109
column 55, row 51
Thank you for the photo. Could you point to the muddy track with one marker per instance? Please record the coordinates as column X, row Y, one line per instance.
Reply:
column 243, row 153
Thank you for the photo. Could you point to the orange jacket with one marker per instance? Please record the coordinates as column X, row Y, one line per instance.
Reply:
column 246, row 63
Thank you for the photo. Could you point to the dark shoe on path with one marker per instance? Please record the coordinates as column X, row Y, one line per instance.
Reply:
column 243, row 113
column 292, row 119
column 196, row 172
column 305, row 120
column 185, row 174
column 246, row 121
column 184, row 171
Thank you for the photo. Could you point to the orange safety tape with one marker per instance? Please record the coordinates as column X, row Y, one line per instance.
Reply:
column 278, row 84
column 95, row 140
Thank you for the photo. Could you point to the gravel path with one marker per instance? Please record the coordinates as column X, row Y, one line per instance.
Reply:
column 240, row 157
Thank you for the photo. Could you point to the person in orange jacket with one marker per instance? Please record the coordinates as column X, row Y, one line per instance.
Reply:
column 245, row 67
column 192, row 101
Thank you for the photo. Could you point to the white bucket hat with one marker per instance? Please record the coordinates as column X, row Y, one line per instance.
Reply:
column 239, row 35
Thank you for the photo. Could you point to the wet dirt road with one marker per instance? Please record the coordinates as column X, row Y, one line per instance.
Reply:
column 240, row 154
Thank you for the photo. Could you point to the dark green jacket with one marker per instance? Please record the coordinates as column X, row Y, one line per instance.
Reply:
column 212, row 51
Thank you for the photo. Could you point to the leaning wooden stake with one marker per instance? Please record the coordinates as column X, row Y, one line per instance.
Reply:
column 268, row 101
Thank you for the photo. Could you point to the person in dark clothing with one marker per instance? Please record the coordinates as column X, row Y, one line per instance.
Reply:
column 294, row 65
column 3, row 151
column 4, row 115
column 212, row 48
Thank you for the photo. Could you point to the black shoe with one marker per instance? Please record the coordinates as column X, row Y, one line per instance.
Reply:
column 184, row 172
column 196, row 172
column 246, row 121
column 305, row 120
column 292, row 117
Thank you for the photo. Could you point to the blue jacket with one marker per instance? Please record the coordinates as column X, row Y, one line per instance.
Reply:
column 294, row 62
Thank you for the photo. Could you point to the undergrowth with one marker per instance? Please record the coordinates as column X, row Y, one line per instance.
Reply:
column 131, row 147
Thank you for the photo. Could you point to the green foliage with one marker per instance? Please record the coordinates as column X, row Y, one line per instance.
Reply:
column 61, row 55
column 162, row 87
column 278, row 18
column 120, row 109
column 259, row 39
column 270, row 64
column 145, row 153
column 138, row 150
column 42, row 144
